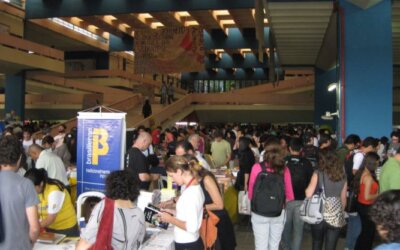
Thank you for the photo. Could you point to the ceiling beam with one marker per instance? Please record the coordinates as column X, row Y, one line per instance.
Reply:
column 36, row 9
column 132, row 21
column 86, row 26
column 167, row 19
column 205, row 19
column 98, row 22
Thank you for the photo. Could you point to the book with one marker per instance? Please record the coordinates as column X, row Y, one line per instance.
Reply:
column 50, row 238
column 150, row 215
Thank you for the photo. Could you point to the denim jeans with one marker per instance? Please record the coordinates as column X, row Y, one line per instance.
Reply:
column 353, row 231
column 293, row 232
column 267, row 231
column 323, row 232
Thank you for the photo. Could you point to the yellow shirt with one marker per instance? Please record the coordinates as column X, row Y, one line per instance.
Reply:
column 52, row 201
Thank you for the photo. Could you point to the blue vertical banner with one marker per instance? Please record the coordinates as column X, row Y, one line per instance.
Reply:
column 100, row 148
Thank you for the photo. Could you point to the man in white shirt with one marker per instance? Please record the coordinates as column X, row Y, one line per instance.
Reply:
column 369, row 144
column 50, row 162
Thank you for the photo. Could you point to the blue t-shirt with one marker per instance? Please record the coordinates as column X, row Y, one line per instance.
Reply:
column 388, row 246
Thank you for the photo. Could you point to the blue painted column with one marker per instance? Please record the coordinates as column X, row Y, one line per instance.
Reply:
column 366, row 69
column 325, row 100
column 15, row 94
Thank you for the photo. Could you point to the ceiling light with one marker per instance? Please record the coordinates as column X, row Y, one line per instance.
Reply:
column 220, row 12
column 182, row 13
column 191, row 23
column 228, row 21
column 155, row 25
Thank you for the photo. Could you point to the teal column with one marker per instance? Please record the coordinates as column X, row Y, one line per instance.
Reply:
column 366, row 69
column 15, row 94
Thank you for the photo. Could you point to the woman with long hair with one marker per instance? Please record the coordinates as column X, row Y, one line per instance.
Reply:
column 367, row 189
column 268, row 230
column 188, row 215
column 128, row 225
column 333, row 177
column 246, row 162
column 214, row 202
column 56, row 211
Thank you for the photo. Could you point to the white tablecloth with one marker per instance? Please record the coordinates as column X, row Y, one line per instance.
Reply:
column 66, row 244
column 163, row 240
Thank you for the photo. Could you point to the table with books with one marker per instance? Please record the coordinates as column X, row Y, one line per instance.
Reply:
column 159, row 239
column 156, row 239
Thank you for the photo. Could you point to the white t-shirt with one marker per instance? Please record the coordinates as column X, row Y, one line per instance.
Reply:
column 26, row 144
column 357, row 160
column 189, row 209
column 55, row 202
column 201, row 160
column 53, row 165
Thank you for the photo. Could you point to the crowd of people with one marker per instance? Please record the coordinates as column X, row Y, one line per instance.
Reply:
column 278, row 167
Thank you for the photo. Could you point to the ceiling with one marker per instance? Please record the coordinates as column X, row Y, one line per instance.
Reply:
column 299, row 29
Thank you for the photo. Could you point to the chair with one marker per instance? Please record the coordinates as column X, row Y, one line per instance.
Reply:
column 81, row 200
column 210, row 160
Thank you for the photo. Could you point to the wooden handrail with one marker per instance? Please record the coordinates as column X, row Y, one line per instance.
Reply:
column 56, row 99
column 123, row 105
column 80, row 85
column 28, row 46
column 246, row 99
column 284, row 85
column 166, row 113
column 120, row 74
column 110, row 73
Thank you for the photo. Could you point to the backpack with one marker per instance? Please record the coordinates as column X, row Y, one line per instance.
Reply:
column 268, row 196
column 310, row 152
column 300, row 172
column 348, row 168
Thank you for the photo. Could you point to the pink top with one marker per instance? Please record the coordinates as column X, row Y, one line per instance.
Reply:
column 256, row 169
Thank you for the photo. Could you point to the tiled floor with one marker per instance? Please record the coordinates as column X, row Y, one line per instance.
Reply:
column 245, row 239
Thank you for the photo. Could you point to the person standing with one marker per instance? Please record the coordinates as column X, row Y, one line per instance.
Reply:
column 171, row 93
column 163, row 93
column 128, row 227
column 366, row 187
column 146, row 109
column 50, row 162
column 389, row 178
column 220, row 150
column 268, row 229
column 188, row 215
column 18, row 199
column 59, row 139
column 301, row 171
column 137, row 162
column 331, row 176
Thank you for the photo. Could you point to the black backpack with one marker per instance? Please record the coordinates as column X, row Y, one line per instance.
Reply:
column 348, row 168
column 300, row 171
column 310, row 152
column 268, row 193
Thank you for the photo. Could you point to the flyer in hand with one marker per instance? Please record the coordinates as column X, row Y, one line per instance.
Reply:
column 150, row 215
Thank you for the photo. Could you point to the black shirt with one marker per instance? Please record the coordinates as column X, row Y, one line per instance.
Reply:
column 301, row 171
column 137, row 162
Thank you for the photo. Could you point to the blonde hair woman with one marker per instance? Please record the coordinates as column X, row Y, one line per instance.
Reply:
column 188, row 215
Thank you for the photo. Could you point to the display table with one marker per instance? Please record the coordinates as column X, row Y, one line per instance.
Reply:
column 161, row 240
column 66, row 244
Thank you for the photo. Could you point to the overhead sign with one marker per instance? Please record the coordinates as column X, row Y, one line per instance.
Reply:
column 100, row 148
column 169, row 50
